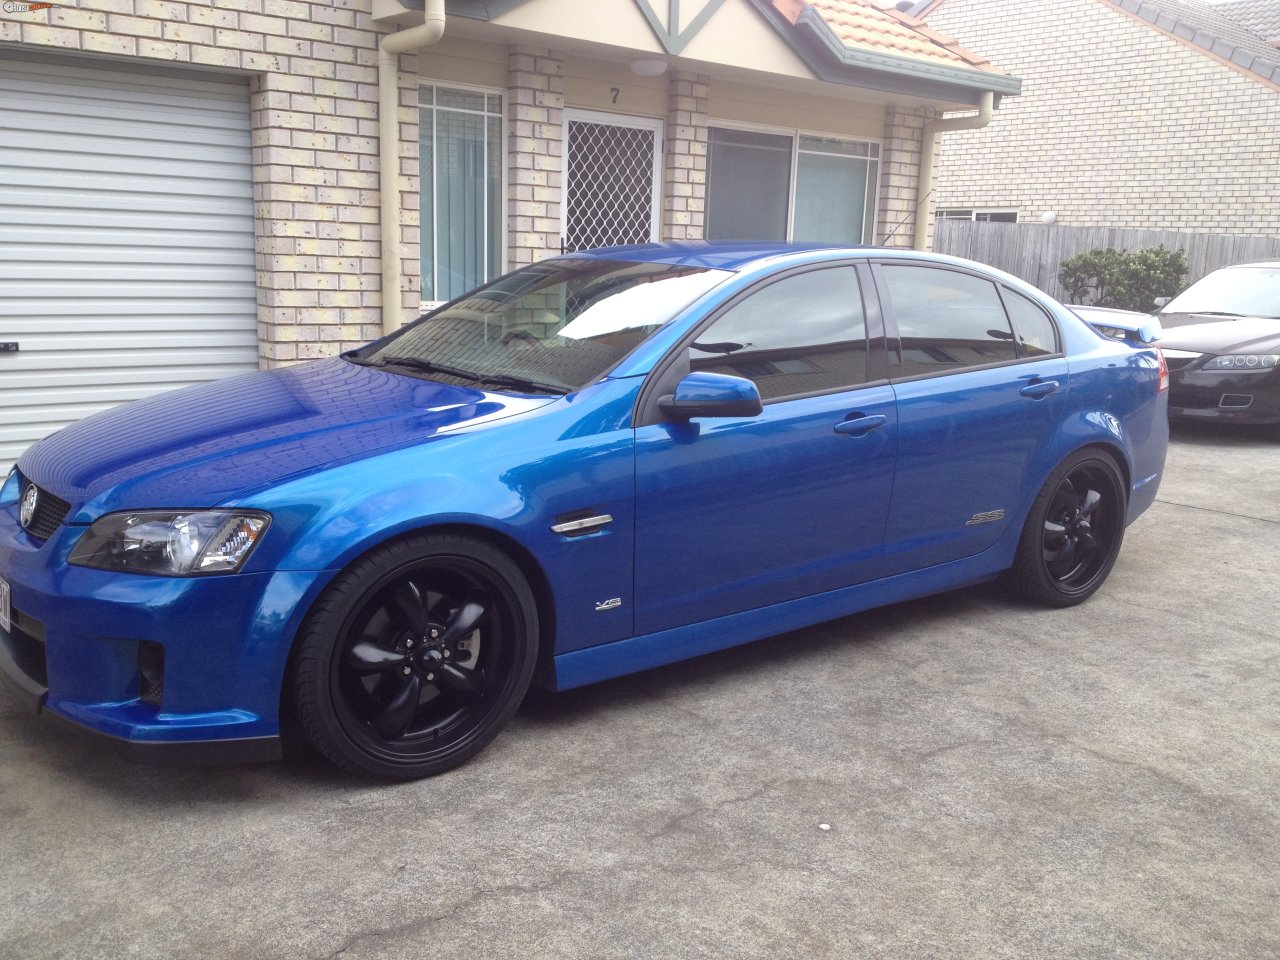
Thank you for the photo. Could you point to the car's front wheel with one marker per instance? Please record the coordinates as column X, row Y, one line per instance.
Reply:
column 1073, row 532
column 416, row 656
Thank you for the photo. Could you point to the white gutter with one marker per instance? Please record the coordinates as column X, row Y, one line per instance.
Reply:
column 389, row 50
column 928, row 152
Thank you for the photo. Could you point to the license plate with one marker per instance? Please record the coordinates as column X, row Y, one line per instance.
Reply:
column 4, row 607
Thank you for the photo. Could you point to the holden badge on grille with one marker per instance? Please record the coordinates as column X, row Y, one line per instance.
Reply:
column 30, row 500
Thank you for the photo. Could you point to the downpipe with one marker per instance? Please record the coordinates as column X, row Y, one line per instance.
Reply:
column 389, row 50
column 928, row 154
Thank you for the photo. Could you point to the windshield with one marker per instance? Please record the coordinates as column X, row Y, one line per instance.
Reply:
column 551, row 327
column 1235, row 291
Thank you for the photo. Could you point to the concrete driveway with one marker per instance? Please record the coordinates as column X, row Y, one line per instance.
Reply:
column 958, row 777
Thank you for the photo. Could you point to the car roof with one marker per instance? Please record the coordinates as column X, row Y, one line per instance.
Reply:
column 716, row 256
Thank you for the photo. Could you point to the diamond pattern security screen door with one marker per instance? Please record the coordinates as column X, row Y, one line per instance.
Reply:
column 612, row 165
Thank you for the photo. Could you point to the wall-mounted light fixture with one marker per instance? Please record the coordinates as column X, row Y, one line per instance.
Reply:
column 648, row 66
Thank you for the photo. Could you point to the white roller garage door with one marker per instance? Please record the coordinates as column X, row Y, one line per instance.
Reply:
column 126, row 239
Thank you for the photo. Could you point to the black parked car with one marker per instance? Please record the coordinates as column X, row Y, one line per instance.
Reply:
column 1221, row 340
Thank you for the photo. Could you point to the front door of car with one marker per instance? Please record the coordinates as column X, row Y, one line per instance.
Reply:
column 980, row 383
column 737, row 513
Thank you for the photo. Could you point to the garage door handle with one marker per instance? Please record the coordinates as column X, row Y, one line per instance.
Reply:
column 857, row 426
column 1039, row 389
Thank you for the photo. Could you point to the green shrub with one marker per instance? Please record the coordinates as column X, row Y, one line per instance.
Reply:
column 1123, row 279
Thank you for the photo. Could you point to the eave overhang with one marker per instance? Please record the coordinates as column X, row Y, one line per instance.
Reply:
column 811, row 38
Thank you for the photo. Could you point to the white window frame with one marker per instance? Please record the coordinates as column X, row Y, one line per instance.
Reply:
column 795, row 133
column 505, row 176
column 974, row 212
column 656, row 124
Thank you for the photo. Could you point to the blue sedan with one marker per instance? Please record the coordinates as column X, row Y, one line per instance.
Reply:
column 591, row 466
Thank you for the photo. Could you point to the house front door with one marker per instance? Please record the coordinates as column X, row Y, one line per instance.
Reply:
column 611, row 185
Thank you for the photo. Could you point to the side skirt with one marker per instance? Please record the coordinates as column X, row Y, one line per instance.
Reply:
column 609, row 660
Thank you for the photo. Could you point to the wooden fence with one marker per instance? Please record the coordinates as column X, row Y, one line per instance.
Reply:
column 1034, row 251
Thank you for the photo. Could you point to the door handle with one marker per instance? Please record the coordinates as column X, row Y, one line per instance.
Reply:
column 857, row 426
column 1041, row 388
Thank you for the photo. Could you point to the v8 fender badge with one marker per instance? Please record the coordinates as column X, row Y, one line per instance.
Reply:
column 989, row 516
column 604, row 605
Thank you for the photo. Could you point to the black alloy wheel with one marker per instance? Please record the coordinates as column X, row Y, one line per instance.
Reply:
column 416, row 656
column 1073, row 532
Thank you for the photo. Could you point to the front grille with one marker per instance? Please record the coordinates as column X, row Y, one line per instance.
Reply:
column 1177, row 363
column 50, row 512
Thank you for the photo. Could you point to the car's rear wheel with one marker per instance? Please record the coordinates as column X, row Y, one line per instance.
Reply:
column 1073, row 532
column 416, row 656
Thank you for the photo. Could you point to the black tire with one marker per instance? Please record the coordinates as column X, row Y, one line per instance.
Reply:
column 415, row 657
column 1073, row 532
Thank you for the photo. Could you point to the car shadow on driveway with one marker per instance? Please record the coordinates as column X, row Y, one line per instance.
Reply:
column 1223, row 434
column 797, row 654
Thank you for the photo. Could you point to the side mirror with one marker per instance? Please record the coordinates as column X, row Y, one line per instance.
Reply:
column 1161, row 301
column 705, row 394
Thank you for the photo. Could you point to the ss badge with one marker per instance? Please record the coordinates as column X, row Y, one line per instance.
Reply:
column 990, row 516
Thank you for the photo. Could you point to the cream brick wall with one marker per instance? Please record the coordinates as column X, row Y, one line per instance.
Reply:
column 899, row 175
column 313, row 102
column 684, row 164
column 535, row 81
column 1118, row 125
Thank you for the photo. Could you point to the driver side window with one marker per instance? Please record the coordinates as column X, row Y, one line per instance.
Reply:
column 803, row 334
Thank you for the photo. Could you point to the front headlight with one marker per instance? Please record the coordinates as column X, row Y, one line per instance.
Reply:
column 169, row 543
column 12, row 487
column 1244, row 361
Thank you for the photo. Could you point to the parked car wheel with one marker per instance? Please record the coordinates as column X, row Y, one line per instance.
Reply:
column 1073, row 532
column 416, row 656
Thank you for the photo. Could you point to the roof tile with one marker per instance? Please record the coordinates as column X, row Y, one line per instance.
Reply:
column 861, row 25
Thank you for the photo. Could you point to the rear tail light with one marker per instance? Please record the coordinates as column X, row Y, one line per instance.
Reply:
column 1163, row 370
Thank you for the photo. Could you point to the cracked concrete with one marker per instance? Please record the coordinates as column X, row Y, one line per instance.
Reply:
column 997, row 781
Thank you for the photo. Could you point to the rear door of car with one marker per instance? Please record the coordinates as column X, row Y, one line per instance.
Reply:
column 735, row 514
column 980, row 382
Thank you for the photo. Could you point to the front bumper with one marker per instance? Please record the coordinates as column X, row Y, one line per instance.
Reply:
column 74, row 648
column 1252, row 397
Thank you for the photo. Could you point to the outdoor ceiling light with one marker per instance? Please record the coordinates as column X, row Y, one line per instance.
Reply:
column 648, row 66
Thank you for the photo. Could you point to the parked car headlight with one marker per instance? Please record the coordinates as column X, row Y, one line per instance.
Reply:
column 12, row 486
column 170, row 543
column 1244, row 361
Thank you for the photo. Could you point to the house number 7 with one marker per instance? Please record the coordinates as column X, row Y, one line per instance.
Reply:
column 615, row 91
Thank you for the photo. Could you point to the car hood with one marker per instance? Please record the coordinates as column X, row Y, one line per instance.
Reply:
column 1246, row 335
column 201, row 445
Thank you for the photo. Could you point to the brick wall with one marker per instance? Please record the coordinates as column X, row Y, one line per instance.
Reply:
column 1119, row 124
column 684, row 164
column 899, row 175
column 535, row 80
column 313, row 101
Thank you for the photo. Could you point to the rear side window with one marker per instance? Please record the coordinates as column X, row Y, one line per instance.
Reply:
column 1034, row 330
column 946, row 320
column 803, row 334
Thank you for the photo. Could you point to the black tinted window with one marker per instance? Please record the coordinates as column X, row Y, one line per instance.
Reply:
column 803, row 334
column 1031, row 325
column 947, row 320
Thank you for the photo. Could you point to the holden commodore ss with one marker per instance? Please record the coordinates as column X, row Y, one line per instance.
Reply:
column 594, row 465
